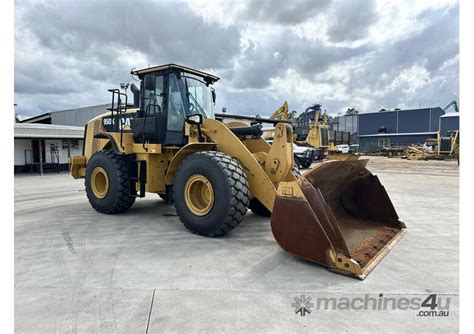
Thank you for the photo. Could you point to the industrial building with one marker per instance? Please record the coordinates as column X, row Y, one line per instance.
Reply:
column 448, row 122
column 345, row 123
column 372, row 131
column 57, row 135
column 71, row 117
column 398, row 127
column 45, row 147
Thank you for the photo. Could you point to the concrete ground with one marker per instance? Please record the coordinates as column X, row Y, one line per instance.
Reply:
column 80, row 271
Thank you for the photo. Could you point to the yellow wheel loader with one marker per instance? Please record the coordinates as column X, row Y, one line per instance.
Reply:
column 167, row 142
column 312, row 128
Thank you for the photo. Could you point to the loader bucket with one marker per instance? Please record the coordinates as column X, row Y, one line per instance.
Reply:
column 338, row 215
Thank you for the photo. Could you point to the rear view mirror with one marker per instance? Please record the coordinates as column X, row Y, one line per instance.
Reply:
column 213, row 92
column 195, row 119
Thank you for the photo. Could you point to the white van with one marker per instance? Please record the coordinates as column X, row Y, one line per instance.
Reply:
column 344, row 148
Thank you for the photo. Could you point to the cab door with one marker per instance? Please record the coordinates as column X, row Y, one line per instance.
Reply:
column 150, row 125
column 177, row 105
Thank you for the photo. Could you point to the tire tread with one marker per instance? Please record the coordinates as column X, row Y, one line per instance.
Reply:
column 239, row 191
column 123, row 201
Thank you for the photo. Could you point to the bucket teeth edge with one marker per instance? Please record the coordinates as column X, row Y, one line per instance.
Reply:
column 372, row 264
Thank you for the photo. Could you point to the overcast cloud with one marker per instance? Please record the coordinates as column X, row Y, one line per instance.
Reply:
column 364, row 54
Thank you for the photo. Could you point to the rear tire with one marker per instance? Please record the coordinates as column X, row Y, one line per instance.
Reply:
column 258, row 208
column 296, row 171
column 261, row 210
column 226, row 190
column 107, row 182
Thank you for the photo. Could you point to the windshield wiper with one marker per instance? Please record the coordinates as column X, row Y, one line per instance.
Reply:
column 197, row 104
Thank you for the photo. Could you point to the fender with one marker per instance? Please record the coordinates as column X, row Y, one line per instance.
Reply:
column 182, row 154
column 104, row 135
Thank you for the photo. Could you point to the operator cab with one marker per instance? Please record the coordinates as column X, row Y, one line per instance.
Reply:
column 168, row 95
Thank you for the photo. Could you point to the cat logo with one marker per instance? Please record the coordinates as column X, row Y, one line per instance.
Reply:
column 110, row 123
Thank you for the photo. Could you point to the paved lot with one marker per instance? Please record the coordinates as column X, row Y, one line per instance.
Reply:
column 80, row 271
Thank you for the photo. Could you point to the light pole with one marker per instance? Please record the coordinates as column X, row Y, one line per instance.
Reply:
column 124, row 87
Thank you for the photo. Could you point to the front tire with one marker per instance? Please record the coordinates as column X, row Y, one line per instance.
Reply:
column 107, row 182
column 210, row 193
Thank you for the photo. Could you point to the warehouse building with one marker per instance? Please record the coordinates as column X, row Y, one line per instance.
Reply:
column 448, row 122
column 398, row 128
column 44, row 147
column 71, row 117
column 57, row 135
column 345, row 123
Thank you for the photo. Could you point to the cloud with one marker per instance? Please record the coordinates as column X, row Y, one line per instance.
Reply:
column 279, row 52
column 350, row 20
column 362, row 54
column 159, row 30
column 283, row 11
column 64, row 47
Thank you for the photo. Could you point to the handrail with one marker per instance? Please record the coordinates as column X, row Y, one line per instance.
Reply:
column 119, row 110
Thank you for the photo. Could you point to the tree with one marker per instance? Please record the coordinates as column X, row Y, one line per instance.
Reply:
column 292, row 115
column 352, row 111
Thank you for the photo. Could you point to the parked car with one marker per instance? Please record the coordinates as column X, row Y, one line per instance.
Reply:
column 343, row 148
column 354, row 148
column 304, row 156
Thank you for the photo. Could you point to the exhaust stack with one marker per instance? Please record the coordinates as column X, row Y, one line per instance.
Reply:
column 136, row 95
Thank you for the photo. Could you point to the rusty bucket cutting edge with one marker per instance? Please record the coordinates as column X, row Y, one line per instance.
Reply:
column 337, row 215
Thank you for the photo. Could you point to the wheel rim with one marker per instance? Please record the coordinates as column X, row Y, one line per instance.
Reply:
column 99, row 182
column 199, row 195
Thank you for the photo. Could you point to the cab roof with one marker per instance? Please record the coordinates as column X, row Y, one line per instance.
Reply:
column 206, row 76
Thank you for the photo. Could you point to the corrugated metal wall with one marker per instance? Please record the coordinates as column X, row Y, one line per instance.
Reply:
column 401, row 121
column 77, row 117
column 370, row 123
column 435, row 115
column 369, row 143
column 449, row 124
column 410, row 121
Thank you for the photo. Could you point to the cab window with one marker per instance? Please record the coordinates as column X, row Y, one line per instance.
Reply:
column 153, row 97
column 176, row 113
column 200, row 97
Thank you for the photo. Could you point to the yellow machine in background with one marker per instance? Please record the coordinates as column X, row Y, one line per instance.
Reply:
column 281, row 114
column 168, row 143
column 312, row 128
column 318, row 135
column 438, row 148
column 448, row 144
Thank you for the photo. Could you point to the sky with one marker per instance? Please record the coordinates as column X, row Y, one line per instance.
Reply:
column 362, row 54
